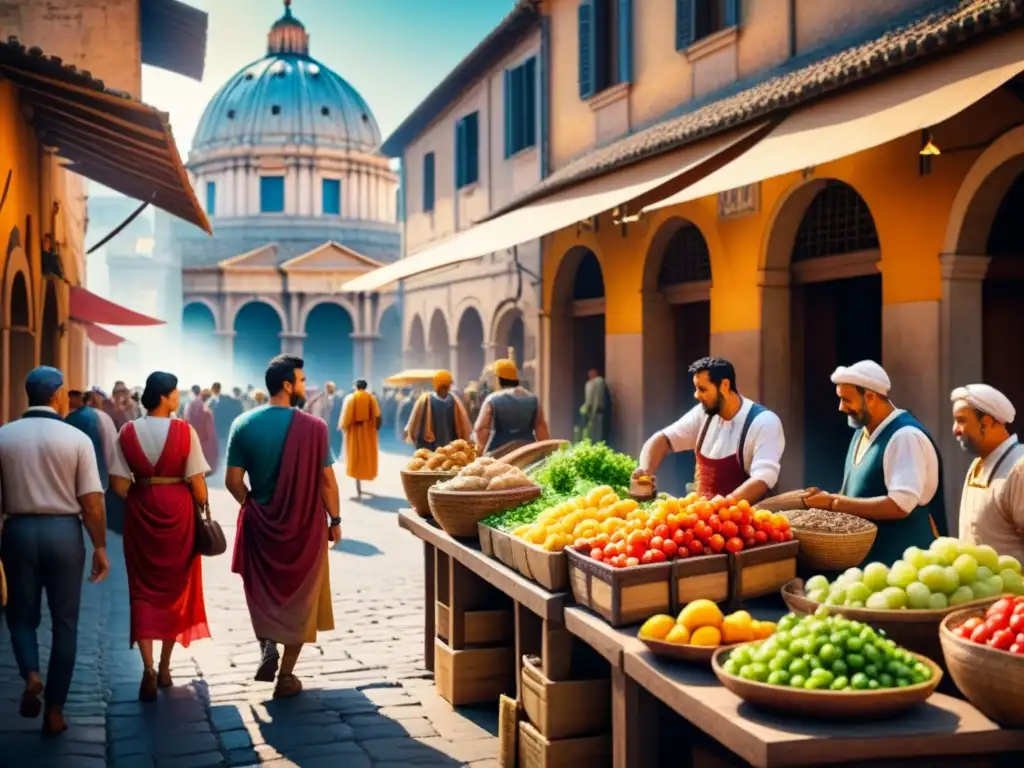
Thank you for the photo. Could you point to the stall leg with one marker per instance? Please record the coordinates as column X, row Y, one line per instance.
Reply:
column 429, row 630
column 634, row 724
column 528, row 641
column 556, row 652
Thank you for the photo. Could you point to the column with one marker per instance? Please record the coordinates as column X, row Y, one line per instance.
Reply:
column 362, row 355
column 291, row 343
column 960, row 322
column 252, row 177
column 291, row 187
column 307, row 202
column 227, row 353
column 5, row 375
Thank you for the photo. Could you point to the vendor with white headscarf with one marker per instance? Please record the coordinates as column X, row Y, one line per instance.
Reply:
column 893, row 475
column 992, row 503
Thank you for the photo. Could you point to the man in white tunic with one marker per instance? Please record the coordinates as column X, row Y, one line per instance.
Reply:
column 893, row 474
column 992, row 503
column 738, row 443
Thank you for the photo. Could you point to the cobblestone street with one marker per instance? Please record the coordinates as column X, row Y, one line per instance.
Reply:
column 367, row 700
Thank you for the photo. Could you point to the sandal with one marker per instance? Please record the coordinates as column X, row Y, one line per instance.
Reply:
column 31, row 704
column 287, row 687
column 148, row 686
column 267, row 671
column 163, row 678
column 53, row 724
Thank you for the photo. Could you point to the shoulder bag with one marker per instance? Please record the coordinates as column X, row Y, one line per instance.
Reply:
column 210, row 540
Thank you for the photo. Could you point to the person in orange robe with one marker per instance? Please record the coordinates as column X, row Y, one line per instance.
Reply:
column 159, row 469
column 360, row 422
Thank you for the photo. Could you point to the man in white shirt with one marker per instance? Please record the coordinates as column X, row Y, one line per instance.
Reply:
column 992, row 503
column 738, row 443
column 893, row 473
column 49, row 486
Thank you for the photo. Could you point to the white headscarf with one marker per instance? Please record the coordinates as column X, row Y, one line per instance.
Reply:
column 867, row 374
column 987, row 400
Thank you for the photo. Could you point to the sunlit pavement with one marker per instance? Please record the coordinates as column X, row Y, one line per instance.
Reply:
column 367, row 699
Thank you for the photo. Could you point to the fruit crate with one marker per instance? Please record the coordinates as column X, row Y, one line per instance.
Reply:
column 621, row 596
column 501, row 546
column 762, row 570
column 474, row 675
column 565, row 709
column 535, row 751
column 705, row 576
column 479, row 628
column 549, row 569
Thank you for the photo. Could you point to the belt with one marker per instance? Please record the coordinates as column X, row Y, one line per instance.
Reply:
column 160, row 480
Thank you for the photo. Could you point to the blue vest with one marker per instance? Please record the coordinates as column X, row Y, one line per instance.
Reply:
column 867, row 480
column 513, row 415
column 85, row 420
column 443, row 414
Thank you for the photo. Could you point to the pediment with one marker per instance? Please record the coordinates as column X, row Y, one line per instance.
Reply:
column 263, row 257
column 330, row 257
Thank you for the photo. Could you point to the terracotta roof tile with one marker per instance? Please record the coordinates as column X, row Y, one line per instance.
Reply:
column 939, row 31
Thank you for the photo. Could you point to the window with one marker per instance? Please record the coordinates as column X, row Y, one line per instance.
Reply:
column 272, row 194
column 331, row 197
column 428, row 182
column 467, row 150
column 521, row 107
column 605, row 44
column 697, row 19
column 211, row 198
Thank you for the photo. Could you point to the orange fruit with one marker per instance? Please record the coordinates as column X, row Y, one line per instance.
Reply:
column 657, row 627
column 679, row 635
column 738, row 628
column 700, row 613
column 706, row 636
column 763, row 629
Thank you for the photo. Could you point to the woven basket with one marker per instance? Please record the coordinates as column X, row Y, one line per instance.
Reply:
column 992, row 680
column 506, row 449
column 820, row 551
column 458, row 512
column 784, row 501
column 416, row 485
column 533, row 452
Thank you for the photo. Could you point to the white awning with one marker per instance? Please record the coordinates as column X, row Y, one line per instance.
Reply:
column 868, row 117
column 569, row 206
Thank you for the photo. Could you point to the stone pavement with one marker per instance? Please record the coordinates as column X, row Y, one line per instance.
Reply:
column 367, row 700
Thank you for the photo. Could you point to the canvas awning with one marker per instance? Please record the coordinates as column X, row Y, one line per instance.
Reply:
column 87, row 307
column 107, row 136
column 101, row 337
column 649, row 180
column 868, row 117
column 410, row 377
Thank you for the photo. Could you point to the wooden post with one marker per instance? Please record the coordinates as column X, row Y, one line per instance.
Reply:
column 529, row 629
column 429, row 630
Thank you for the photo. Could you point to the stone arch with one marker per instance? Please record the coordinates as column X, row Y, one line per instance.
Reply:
column 49, row 328
column 470, row 358
column 328, row 349
column 198, row 321
column 387, row 348
column 821, row 232
column 676, row 325
column 273, row 302
column 258, row 326
column 508, row 329
column 439, row 348
column 212, row 306
column 22, row 353
column 17, row 263
column 313, row 302
column 415, row 353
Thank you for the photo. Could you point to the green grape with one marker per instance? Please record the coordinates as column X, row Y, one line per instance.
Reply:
column 759, row 671
column 885, row 680
column 854, row 644
column 778, row 677
column 855, row 661
column 731, row 667
column 840, row 683
column 871, row 670
column 797, row 681
column 840, row 668
column 828, row 653
column 859, row 681
column 799, row 667
column 873, row 685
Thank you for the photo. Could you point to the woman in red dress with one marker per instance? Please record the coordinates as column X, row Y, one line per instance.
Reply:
column 159, row 470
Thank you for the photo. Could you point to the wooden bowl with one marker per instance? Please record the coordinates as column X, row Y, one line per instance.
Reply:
column 820, row 551
column 992, row 680
column 696, row 654
column 915, row 630
column 843, row 705
column 416, row 485
column 458, row 512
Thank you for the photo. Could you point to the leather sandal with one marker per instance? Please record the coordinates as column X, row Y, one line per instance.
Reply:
column 148, row 686
column 287, row 686
column 163, row 678
column 31, row 704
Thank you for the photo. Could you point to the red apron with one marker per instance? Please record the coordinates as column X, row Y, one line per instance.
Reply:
column 720, row 477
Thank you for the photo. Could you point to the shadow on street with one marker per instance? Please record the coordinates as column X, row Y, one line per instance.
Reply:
column 357, row 548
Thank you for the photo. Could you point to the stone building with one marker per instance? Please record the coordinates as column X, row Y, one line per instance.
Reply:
column 287, row 161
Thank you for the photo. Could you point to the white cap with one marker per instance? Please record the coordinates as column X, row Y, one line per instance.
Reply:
column 867, row 374
column 987, row 400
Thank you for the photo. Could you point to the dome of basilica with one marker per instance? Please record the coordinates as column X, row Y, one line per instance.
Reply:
column 287, row 97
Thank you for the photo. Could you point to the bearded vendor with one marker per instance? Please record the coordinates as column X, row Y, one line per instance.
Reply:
column 738, row 443
column 992, row 503
column 893, row 474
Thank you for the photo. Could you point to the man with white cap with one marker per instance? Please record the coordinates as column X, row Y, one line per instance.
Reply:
column 992, row 503
column 893, row 474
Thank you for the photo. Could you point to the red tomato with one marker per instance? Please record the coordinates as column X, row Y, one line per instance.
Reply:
column 695, row 547
column 601, row 540
column 658, row 556
column 597, row 554
column 648, row 557
column 582, row 546
column 669, row 548
column 679, row 537
column 777, row 536
column 734, row 545
column 689, row 521
column 746, row 531
column 997, row 622
column 746, row 516
column 760, row 537
column 1002, row 607
column 662, row 531
column 787, row 535
column 972, row 623
column 1020, row 637
column 1017, row 648
column 683, row 552
column 657, row 542
column 703, row 532
column 729, row 529
column 636, row 537
column 631, row 561
column 708, row 551
column 715, row 523
column 981, row 634
column 717, row 543
column 1002, row 639
column 620, row 561
column 1019, row 606
column 636, row 551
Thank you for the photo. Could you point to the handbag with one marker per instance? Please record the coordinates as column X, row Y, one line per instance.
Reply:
column 210, row 540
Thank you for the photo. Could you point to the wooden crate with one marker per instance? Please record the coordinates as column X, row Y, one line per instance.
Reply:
column 501, row 543
column 484, row 532
column 549, row 569
column 705, row 576
column 535, row 751
column 621, row 596
column 565, row 710
column 479, row 628
column 762, row 570
column 473, row 676
column 520, row 560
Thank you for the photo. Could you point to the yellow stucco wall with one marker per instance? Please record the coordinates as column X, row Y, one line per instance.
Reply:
column 18, row 153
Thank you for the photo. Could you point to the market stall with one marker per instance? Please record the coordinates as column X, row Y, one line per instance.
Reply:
column 578, row 604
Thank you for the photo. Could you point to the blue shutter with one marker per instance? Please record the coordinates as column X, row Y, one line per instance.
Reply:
column 587, row 52
column 510, row 114
column 732, row 13
column 460, row 153
column 529, row 100
column 428, row 182
column 331, row 194
column 272, row 194
column 684, row 23
column 625, row 41
column 211, row 198
column 473, row 148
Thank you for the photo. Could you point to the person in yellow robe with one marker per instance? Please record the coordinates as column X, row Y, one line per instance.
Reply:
column 360, row 422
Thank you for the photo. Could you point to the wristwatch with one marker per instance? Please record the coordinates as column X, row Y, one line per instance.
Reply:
column 334, row 521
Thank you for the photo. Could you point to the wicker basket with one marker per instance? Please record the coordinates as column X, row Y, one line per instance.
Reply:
column 533, row 452
column 416, row 485
column 820, row 551
column 506, row 449
column 784, row 501
column 458, row 512
column 992, row 680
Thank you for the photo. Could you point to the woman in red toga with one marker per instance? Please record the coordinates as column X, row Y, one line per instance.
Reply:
column 159, row 470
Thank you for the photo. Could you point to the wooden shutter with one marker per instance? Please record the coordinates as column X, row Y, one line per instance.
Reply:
column 472, row 151
column 460, row 153
column 732, row 13
column 684, row 23
column 529, row 99
column 625, row 29
column 510, row 113
column 587, row 49
column 428, row 181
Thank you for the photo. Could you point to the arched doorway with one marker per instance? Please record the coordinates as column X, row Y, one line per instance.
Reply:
column 49, row 348
column 470, row 358
column 198, row 325
column 328, row 349
column 835, row 319
column 23, row 346
column 387, row 348
column 257, row 340
column 677, row 323
column 439, row 350
column 577, row 336
column 416, row 355
column 510, row 334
